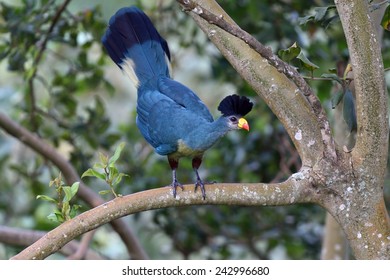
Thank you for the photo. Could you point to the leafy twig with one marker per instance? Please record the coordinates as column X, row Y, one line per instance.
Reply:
column 65, row 211
column 107, row 171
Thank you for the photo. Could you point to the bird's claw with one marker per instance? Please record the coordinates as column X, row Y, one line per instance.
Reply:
column 174, row 186
column 199, row 183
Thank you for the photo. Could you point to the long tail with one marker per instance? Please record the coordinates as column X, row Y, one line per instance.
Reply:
column 134, row 44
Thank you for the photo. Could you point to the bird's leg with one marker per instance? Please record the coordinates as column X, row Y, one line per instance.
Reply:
column 174, row 164
column 196, row 162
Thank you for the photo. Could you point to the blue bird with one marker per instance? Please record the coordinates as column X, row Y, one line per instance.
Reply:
column 170, row 116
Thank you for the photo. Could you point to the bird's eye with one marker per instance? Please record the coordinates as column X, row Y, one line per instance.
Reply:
column 233, row 119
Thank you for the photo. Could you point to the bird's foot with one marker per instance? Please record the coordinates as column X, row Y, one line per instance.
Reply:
column 199, row 183
column 174, row 186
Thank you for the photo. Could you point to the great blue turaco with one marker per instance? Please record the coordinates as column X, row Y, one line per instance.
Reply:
column 170, row 116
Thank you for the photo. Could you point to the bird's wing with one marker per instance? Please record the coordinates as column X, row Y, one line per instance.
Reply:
column 163, row 122
column 184, row 96
column 154, row 119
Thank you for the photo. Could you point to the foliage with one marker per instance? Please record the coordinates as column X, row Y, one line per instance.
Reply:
column 386, row 19
column 110, row 173
column 63, row 90
column 65, row 210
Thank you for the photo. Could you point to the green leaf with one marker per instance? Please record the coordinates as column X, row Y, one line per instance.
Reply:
column 118, row 179
column 333, row 77
column 105, row 192
column 386, row 19
column 93, row 173
column 117, row 154
column 70, row 192
column 290, row 53
column 74, row 188
column 103, row 159
column 73, row 210
column 320, row 13
column 88, row 173
column 329, row 21
column 113, row 172
column 47, row 198
column 305, row 19
column 307, row 64
column 336, row 98
column 56, row 216
column 332, row 70
column 99, row 165
column 349, row 112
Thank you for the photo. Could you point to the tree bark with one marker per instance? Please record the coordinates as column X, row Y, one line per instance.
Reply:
column 368, row 233
column 334, row 245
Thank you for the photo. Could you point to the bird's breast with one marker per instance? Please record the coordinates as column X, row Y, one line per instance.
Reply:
column 183, row 150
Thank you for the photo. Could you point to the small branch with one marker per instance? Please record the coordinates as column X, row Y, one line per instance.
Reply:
column 83, row 247
column 296, row 189
column 38, row 58
column 23, row 237
column 71, row 176
column 57, row 16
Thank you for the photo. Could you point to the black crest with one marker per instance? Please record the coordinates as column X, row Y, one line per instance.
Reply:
column 235, row 105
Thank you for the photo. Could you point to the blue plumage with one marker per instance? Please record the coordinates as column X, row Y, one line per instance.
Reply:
column 170, row 116
column 131, row 36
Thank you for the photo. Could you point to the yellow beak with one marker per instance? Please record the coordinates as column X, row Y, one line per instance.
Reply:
column 242, row 123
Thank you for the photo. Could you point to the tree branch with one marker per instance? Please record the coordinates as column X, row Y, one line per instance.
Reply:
column 82, row 249
column 305, row 121
column 370, row 89
column 297, row 189
column 48, row 152
column 23, row 237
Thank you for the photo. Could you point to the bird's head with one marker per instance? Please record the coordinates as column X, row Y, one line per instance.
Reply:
column 234, row 108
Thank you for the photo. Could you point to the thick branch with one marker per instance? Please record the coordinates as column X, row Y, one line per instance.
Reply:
column 370, row 89
column 71, row 176
column 295, row 190
column 301, row 114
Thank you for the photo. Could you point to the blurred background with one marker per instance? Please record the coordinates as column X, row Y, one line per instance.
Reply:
column 76, row 98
